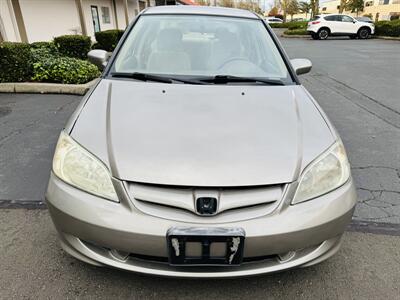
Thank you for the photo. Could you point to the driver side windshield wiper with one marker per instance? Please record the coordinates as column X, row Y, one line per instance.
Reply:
column 152, row 77
column 224, row 79
column 142, row 76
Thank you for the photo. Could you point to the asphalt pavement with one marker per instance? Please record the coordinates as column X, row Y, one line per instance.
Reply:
column 34, row 267
column 358, row 85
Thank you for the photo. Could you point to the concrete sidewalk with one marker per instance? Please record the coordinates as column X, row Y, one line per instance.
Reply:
column 34, row 266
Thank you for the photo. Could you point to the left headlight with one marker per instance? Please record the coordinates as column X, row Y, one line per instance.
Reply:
column 78, row 167
column 328, row 172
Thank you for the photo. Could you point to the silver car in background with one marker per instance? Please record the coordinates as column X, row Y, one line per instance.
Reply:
column 199, row 154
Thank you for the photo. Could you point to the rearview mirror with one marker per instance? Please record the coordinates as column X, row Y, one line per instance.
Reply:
column 98, row 58
column 301, row 65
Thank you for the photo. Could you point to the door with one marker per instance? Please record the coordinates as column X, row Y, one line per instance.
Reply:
column 95, row 18
column 348, row 25
column 333, row 23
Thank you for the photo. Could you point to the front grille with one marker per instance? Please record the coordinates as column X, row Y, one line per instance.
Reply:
column 180, row 202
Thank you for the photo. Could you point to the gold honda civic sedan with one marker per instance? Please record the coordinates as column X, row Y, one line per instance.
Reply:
column 199, row 154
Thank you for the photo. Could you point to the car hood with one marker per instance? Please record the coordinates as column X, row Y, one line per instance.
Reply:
column 202, row 135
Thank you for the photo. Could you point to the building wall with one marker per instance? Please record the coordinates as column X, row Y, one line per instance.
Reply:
column 383, row 10
column 8, row 26
column 45, row 19
column 86, row 7
column 120, row 11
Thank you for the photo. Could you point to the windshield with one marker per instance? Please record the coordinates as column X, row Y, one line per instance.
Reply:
column 191, row 45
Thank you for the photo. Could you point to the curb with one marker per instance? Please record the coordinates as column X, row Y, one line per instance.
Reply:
column 46, row 88
column 388, row 38
column 305, row 36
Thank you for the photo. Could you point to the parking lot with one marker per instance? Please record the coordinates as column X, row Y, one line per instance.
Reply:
column 356, row 82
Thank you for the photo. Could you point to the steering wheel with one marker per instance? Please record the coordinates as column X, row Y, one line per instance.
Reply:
column 237, row 58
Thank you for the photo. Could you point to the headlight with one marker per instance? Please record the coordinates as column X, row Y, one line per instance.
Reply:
column 326, row 173
column 78, row 167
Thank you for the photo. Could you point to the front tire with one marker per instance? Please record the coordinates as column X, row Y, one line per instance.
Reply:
column 364, row 33
column 323, row 33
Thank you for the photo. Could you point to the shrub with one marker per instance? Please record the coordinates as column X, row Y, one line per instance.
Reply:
column 290, row 25
column 278, row 25
column 297, row 25
column 64, row 70
column 108, row 40
column 73, row 45
column 388, row 28
column 43, row 50
column 296, row 32
column 15, row 62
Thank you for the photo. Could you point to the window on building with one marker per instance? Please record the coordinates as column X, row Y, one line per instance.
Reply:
column 394, row 15
column 383, row 2
column 371, row 3
column 324, row 9
column 105, row 15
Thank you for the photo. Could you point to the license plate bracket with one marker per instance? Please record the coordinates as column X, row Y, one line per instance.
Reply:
column 178, row 237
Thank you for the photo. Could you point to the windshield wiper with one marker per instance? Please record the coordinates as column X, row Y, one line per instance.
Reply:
column 142, row 76
column 152, row 77
column 224, row 79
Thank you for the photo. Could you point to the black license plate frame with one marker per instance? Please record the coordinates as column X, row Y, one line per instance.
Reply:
column 177, row 237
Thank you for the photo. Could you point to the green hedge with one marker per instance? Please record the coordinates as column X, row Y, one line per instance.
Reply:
column 15, row 62
column 108, row 39
column 296, row 32
column 388, row 28
column 290, row 25
column 43, row 50
column 64, row 70
column 73, row 45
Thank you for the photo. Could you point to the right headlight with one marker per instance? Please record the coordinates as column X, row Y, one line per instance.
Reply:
column 326, row 173
column 78, row 167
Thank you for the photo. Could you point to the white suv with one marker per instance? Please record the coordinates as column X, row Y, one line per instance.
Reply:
column 320, row 27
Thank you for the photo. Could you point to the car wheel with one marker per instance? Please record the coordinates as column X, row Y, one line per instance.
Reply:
column 323, row 34
column 314, row 36
column 363, row 33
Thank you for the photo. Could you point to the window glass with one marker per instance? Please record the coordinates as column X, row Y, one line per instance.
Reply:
column 331, row 18
column 105, row 15
column 347, row 19
column 191, row 45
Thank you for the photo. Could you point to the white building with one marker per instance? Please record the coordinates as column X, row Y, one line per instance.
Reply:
column 41, row 20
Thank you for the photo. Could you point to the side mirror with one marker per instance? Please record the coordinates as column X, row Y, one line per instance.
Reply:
column 98, row 58
column 301, row 65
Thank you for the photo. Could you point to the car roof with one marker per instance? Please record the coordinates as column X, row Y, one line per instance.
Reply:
column 325, row 15
column 200, row 10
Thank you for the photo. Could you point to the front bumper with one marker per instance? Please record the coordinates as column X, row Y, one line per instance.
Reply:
column 89, row 227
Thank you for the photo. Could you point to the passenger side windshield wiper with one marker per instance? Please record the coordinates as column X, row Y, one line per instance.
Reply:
column 152, row 77
column 224, row 79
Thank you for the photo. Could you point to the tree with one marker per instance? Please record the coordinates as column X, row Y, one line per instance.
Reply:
column 249, row 5
column 226, row 3
column 293, row 8
column 273, row 12
column 290, row 7
column 314, row 7
column 355, row 6
column 305, row 7
column 203, row 2
column 342, row 6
